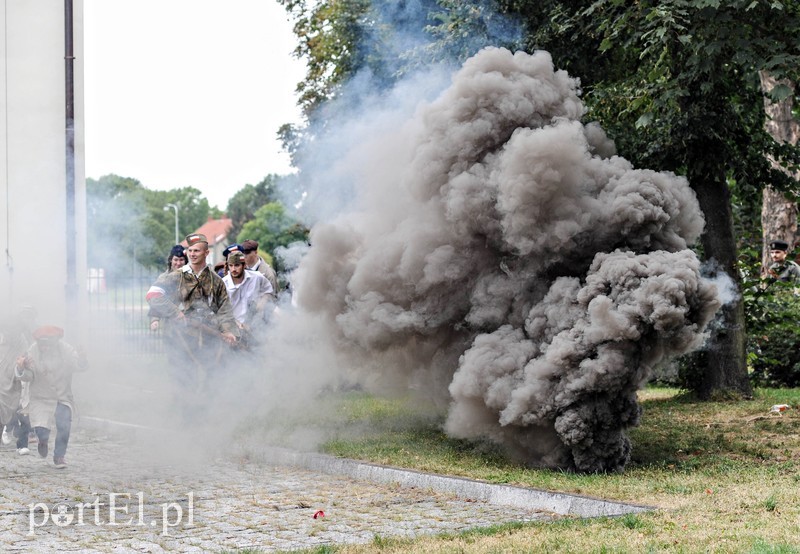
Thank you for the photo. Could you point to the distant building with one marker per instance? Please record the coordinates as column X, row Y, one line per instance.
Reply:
column 216, row 231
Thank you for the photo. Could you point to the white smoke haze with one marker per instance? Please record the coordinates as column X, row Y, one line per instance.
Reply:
column 250, row 398
column 495, row 253
column 727, row 290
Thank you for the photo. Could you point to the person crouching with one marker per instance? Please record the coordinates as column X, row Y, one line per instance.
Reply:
column 48, row 366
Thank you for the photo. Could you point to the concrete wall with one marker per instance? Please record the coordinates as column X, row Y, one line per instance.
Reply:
column 33, row 249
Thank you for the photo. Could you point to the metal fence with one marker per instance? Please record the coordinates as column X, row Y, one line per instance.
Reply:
column 119, row 312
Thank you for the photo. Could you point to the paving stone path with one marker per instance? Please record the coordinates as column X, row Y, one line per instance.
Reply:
column 115, row 497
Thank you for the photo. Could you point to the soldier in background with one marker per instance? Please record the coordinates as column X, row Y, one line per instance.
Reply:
column 257, row 263
column 782, row 269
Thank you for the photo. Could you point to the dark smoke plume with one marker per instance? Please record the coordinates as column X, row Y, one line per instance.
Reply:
column 503, row 257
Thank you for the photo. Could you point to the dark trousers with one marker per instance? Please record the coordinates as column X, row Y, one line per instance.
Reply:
column 63, row 427
column 13, row 425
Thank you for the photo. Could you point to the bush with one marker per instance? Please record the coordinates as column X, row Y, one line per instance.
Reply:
column 773, row 345
column 772, row 312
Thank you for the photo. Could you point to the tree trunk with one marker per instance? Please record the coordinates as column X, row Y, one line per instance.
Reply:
column 726, row 373
column 778, row 214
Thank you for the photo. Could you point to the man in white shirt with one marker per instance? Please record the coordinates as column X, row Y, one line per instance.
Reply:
column 249, row 291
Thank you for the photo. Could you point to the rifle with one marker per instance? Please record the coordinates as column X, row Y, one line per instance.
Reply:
column 204, row 330
column 208, row 330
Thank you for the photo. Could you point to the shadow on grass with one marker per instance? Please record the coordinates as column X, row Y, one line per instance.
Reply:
column 676, row 433
column 686, row 433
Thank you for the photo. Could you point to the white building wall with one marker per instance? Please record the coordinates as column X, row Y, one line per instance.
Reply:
column 33, row 228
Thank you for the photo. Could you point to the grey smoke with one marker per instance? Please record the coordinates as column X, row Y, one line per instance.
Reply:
column 500, row 256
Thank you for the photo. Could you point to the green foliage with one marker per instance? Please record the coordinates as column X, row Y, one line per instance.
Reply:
column 272, row 227
column 774, row 344
column 130, row 221
column 772, row 310
column 127, row 225
column 675, row 83
column 329, row 39
column 690, row 370
column 460, row 29
column 243, row 205
column 385, row 40
column 121, row 230
column 692, row 80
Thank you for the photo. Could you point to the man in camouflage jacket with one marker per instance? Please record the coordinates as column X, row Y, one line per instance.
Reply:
column 195, row 304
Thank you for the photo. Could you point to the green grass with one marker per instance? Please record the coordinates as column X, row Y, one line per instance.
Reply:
column 724, row 475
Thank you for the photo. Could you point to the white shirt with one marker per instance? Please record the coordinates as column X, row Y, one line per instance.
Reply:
column 253, row 286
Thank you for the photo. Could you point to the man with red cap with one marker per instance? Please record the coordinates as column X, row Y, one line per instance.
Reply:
column 48, row 366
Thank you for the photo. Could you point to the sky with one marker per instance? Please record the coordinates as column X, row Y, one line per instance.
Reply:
column 188, row 92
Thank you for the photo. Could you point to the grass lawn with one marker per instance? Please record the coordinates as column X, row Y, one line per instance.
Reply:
column 724, row 476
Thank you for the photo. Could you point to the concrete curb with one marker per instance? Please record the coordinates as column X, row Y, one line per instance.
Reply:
column 504, row 495
column 507, row 495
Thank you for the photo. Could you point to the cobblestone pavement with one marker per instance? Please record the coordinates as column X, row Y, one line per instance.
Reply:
column 116, row 497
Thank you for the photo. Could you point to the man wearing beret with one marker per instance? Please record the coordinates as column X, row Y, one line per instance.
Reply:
column 781, row 268
column 195, row 303
column 48, row 366
column 257, row 263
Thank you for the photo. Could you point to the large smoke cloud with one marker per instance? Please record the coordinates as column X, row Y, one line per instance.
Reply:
column 501, row 256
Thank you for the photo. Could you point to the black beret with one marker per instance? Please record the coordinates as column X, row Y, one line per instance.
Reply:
column 779, row 245
column 177, row 250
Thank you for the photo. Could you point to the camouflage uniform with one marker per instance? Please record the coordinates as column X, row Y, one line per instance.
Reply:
column 787, row 271
column 266, row 270
column 204, row 302
column 200, row 297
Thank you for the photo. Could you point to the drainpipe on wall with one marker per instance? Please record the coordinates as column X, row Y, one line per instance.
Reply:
column 71, row 292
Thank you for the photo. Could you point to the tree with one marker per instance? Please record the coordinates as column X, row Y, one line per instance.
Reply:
column 778, row 213
column 119, row 222
column 673, row 82
column 129, row 220
column 193, row 208
column 329, row 39
column 694, row 94
column 373, row 43
column 243, row 205
column 272, row 227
